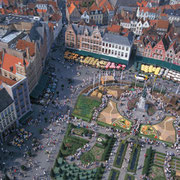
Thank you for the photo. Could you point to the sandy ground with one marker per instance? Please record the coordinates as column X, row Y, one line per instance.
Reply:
column 166, row 129
column 110, row 113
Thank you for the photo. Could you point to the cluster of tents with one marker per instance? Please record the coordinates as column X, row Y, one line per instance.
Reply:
column 94, row 62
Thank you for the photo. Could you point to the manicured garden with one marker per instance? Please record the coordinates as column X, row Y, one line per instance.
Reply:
column 133, row 161
column 121, row 152
column 63, row 170
column 71, row 143
column 148, row 161
column 85, row 106
column 100, row 151
column 129, row 177
column 95, row 154
column 114, row 174
column 157, row 173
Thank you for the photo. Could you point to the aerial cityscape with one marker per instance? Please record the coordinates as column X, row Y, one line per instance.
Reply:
column 89, row 89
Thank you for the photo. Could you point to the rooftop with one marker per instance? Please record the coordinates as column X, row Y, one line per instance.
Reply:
column 22, row 45
column 7, row 81
column 8, row 38
column 5, row 99
column 9, row 63
column 117, row 39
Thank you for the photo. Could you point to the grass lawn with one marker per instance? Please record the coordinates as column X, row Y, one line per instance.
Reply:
column 71, row 144
column 95, row 154
column 157, row 173
column 84, row 107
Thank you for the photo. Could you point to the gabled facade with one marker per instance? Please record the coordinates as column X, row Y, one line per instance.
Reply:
column 91, row 39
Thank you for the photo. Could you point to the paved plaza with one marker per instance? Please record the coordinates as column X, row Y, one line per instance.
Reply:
column 48, row 123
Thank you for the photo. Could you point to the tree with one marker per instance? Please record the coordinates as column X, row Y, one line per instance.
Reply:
column 40, row 131
column 62, row 86
column 6, row 177
column 23, row 167
column 52, row 173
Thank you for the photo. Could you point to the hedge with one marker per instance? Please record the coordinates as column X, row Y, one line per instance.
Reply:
column 147, row 161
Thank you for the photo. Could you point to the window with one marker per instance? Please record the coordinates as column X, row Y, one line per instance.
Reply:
column 127, row 49
column 109, row 45
column 113, row 46
column 112, row 52
column 122, row 54
column 119, row 47
column 126, row 54
column 115, row 52
column 103, row 44
column 123, row 48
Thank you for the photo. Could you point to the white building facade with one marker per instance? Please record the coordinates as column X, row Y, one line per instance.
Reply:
column 117, row 46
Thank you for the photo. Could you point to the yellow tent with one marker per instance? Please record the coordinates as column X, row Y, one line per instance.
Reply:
column 142, row 67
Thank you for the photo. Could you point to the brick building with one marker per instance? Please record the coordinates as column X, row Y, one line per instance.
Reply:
column 92, row 39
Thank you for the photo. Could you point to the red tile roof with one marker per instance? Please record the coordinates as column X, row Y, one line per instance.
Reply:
column 114, row 28
column 22, row 45
column 71, row 8
column 8, row 81
column 11, row 61
column 41, row 10
column 163, row 24
column 94, row 7
column 142, row 4
column 55, row 17
column 51, row 25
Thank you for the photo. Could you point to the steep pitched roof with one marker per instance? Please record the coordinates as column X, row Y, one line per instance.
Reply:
column 114, row 28
column 163, row 24
column 7, row 81
column 55, row 17
column 71, row 8
column 94, row 7
column 22, row 45
column 5, row 99
column 9, row 63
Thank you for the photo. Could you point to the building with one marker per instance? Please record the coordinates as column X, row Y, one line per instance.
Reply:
column 135, row 26
column 101, row 12
column 18, row 89
column 173, row 15
column 117, row 46
column 85, row 38
column 8, row 117
column 72, row 13
column 146, row 13
column 92, row 39
column 173, row 2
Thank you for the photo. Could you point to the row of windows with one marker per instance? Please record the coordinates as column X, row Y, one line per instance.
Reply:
column 6, row 121
column 7, row 111
column 116, row 53
column 115, row 46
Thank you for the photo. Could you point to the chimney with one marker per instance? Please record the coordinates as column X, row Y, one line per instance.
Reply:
column 24, row 62
column 3, row 53
column 27, row 53
column 11, row 68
